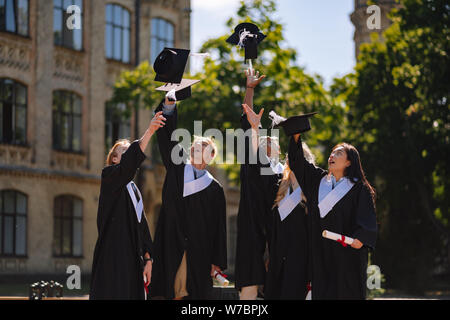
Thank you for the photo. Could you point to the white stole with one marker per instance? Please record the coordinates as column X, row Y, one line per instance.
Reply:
column 192, row 185
column 138, row 205
column 278, row 168
column 289, row 202
column 328, row 196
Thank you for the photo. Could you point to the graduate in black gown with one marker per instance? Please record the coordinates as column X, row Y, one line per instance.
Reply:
column 256, row 200
column 341, row 201
column 123, row 252
column 288, row 276
column 190, row 240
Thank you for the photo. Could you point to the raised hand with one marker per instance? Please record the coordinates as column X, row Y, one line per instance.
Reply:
column 253, row 118
column 253, row 78
column 157, row 122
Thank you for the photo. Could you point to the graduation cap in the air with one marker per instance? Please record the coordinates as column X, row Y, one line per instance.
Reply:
column 292, row 125
column 170, row 64
column 247, row 35
column 182, row 90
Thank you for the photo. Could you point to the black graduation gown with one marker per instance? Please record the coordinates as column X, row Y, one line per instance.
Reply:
column 122, row 241
column 337, row 272
column 287, row 277
column 195, row 224
column 253, row 220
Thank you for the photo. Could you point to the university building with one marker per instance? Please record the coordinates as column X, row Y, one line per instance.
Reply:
column 57, row 122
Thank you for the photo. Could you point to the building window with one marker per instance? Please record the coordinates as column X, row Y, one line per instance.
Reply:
column 118, row 33
column 68, row 227
column 117, row 124
column 14, row 16
column 63, row 36
column 162, row 35
column 13, row 223
column 13, row 112
column 66, row 121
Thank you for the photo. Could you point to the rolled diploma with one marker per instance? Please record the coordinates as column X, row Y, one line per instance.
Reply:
column 335, row 236
column 223, row 281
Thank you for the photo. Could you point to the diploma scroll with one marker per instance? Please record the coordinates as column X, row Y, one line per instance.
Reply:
column 337, row 237
column 222, row 278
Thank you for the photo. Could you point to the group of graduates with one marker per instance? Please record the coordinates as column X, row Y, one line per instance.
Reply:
column 283, row 211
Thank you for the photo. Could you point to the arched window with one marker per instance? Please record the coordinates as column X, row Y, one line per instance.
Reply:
column 118, row 33
column 162, row 35
column 68, row 227
column 13, row 112
column 13, row 223
column 14, row 16
column 66, row 121
column 63, row 36
column 117, row 124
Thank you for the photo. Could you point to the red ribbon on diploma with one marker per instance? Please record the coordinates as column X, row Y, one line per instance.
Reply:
column 342, row 241
column 221, row 274
column 308, row 287
column 146, row 287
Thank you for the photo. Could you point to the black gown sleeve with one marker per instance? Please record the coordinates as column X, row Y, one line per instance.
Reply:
column 147, row 244
column 164, row 137
column 219, row 257
column 306, row 173
column 266, row 185
column 366, row 221
column 119, row 175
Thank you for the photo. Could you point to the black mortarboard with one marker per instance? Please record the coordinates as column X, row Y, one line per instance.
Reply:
column 182, row 90
column 170, row 64
column 293, row 125
column 248, row 36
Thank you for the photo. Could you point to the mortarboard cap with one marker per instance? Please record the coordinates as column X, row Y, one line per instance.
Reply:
column 247, row 35
column 182, row 90
column 293, row 125
column 170, row 64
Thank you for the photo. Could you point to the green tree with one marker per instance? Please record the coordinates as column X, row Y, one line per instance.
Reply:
column 217, row 99
column 399, row 119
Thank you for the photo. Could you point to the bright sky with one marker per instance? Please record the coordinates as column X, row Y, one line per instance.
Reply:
column 320, row 31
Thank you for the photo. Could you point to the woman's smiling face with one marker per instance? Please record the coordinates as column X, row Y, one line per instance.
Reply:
column 338, row 160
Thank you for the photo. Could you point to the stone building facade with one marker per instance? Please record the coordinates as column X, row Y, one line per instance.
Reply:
column 55, row 84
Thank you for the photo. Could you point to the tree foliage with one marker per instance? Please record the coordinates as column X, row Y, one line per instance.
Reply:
column 399, row 119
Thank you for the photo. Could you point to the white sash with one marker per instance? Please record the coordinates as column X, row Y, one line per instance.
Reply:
column 328, row 196
column 289, row 203
column 278, row 168
column 138, row 206
column 192, row 185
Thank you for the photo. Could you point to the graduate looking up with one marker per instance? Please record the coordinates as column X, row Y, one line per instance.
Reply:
column 288, row 275
column 123, row 252
column 190, row 239
column 341, row 201
column 256, row 200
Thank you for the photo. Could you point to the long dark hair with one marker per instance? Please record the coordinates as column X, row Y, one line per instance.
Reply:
column 355, row 171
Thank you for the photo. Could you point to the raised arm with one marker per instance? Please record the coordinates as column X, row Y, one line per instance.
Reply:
column 122, row 173
column 165, row 143
column 307, row 174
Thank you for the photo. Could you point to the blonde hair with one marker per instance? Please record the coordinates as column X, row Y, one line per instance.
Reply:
column 285, row 182
column 113, row 152
column 206, row 141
